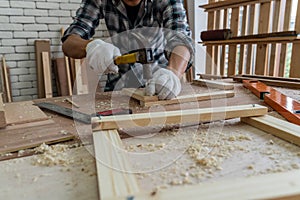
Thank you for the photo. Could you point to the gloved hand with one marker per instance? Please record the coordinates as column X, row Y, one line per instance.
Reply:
column 164, row 83
column 100, row 55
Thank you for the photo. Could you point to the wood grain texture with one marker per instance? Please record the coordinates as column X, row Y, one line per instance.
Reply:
column 214, row 84
column 2, row 113
column 41, row 46
column 277, row 127
column 147, row 101
column 15, row 139
column 177, row 117
column 295, row 60
column 23, row 112
column 232, row 55
column 283, row 186
column 47, row 74
column 6, row 80
column 115, row 177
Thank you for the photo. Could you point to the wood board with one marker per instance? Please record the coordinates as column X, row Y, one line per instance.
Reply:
column 41, row 46
column 47, row 74
column 23, row 112
column 2, row 113
column 177, row 117
column 214, row 84
column 153, row 100
column 16, row 139
column 280, row 128
column 115, row 177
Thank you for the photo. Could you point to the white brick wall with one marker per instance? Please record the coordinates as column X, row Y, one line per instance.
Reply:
column 21, row 23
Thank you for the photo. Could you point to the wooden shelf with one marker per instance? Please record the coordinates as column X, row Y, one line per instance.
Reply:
column 255, row 41
column 230, row 4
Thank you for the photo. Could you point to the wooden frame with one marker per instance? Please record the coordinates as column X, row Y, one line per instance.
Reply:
column 147, row 101
column 116, row 185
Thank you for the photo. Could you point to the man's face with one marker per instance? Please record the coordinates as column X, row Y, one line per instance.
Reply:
column 132, row 2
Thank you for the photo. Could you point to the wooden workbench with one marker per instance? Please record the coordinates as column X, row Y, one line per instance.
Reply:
column 229, row 149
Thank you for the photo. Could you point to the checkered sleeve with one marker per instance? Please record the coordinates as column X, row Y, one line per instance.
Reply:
column 86, row 20
column 175, row 20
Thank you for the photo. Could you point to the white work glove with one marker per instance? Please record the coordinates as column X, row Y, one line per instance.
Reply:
column 100, row 56
column 164, row 83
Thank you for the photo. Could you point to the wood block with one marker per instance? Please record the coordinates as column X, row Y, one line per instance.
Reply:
column 177, row 117
column 23, row 112
column 277, row 127
column 2, row 113
column 41, row 46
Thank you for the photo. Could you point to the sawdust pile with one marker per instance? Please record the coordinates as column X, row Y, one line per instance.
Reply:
column 51, row 155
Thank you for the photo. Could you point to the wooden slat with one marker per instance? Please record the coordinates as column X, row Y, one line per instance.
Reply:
column 223, row 54
column 6, row 80
column 139, row 95
column 217, row 47
column 214, row 84
column 2, row 113
column 115, row 177
column 262, row 49
column 234, row 25
column 177, row 117
column 47, row 74
column 242, row 47
column 277, row 127
column 209, row 49
column 274, row 56
column 279, row 186
column 251, row 22
column 286, row 26
column 41, row 46
column 295, row 60
column 81, row 80
column 69, row 81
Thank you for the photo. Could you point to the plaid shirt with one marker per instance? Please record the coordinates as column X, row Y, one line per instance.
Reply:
column 162, row 22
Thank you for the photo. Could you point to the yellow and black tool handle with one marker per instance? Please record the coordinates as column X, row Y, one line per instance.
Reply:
column 126, row 59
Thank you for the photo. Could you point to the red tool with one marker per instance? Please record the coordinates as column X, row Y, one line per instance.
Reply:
column 117, row 111
column 286, row 106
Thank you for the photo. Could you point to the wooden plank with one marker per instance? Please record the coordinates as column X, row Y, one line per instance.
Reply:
column 275, row 51
column 115, row 176
column 69, row 81
column 286, row 26
column 139, row 95
column 6, row 80
column 177, row 117
column 62, row 76
column 40, row 46
column 209, row 49
column 249, row 59
column 2, row 113
column 15, row 139
column 262, row 49
column 23, row 112
column 277, row 127
column 283, row 186
column 214, row 84
column 47, row 74
column 216, row 65
column 242, row 47
column 223, row 54
column 271, row 82
column 295, row 59
column 294, row 39
column 234, row 25
column 81, row 84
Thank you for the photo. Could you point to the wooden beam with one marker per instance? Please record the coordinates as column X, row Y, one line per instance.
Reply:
column 176, row 117
column 2, row 113
column 68, row 71
column 6, row 80
column 47, row 74
column 214, row 84
column 115, row 176
column 277, row 127
column 153, row 100
column 283, row 186
column 232, row 55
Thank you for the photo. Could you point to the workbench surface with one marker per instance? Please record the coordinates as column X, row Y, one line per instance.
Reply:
column 168, row 157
